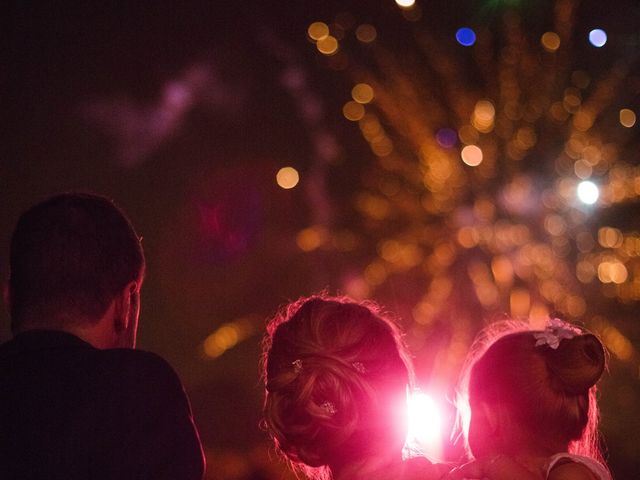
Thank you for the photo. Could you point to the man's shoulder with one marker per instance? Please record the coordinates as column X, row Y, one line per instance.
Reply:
column 135, row 357
column 146, row 383
column 138, row 365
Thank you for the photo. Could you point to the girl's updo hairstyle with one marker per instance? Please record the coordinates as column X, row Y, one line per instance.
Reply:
column 550, row 391
column 334, row 371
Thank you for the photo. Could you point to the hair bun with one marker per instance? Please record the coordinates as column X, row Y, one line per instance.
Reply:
column 577, row 364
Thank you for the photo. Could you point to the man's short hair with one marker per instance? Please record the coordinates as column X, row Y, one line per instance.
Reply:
column 70, row 256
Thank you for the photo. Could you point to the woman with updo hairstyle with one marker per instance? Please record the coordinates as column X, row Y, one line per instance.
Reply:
column 528, row 404
column 336, row 374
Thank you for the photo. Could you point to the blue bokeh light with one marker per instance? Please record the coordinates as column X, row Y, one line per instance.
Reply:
column 465, row 36
column 447, row 138
column 597, row 37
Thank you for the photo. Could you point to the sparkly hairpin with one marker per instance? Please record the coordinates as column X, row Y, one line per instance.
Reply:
column 555, row 331
column 297, row 365
column 359, row 367
column 329, row 408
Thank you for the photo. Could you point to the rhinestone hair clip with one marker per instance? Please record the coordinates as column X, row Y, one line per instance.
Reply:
column 329, row 408
column 555, row 331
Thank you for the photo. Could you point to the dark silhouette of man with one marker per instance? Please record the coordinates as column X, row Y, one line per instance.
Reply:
column 76, row 400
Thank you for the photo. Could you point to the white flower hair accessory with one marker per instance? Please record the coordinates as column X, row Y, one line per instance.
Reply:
column 555, row 331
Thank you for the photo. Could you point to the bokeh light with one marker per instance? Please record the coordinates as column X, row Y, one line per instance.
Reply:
column 353, row 111
column 227, row 336
column 405, row 3
column 483, row 116
column 366, row 33
column 550, row 41
column 362, row 93
column 287, row 177
column 447, row 137
column 598, row 37
column 472, row 155
column 617, row 343
column 588, row 192
column 311, row 238
column 609, row 237
column 318, row 31
column 612, row 271
column 466, row 36
column 627, row 118
column 328, row 45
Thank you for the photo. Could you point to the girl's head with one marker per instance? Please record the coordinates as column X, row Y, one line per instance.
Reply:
column 533, row 388
column 336, row 374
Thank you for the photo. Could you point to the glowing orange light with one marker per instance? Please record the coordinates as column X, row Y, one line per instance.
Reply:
column 311, row 238
column 227, row 336
column 617, row 343
column 328, row 45
column 520, row 301
column 502, row 269
column 353, row 111
column 318, row 31
column 619, row 273
column 287, row 177
column 550, row 41
column 612, row 271
column 627, row 118
column 610, row 237
column 362, row 93
column 468, row 237
column 375, row 273
column 471, row 155
column 483, row 116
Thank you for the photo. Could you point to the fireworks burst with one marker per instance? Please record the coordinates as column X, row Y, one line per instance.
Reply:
column 504, row 175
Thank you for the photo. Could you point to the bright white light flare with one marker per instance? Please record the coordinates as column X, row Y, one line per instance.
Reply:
column 588, row 192
column 425, row 426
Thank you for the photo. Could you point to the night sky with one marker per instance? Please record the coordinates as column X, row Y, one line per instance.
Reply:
column 183, row 113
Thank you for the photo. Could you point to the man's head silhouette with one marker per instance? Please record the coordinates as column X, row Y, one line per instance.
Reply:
column 77, row 266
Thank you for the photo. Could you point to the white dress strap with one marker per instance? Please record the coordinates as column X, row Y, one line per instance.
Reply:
column 594, row 467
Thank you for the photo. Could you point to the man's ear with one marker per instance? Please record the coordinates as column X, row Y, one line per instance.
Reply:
column 6, row 295
column 124, row 301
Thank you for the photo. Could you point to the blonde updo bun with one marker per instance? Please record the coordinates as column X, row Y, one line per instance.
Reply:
column 330, row 365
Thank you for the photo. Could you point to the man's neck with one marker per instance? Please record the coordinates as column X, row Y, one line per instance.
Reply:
column 95, row 333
